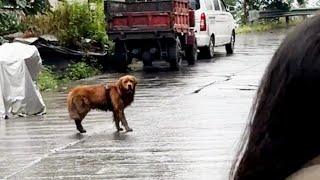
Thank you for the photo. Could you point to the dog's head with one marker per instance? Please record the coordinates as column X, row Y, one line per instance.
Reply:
column 127, row 84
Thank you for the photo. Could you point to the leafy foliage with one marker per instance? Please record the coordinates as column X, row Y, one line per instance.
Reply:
column 9, row 22
column 77, row 21
column 263, row 26
column 27, row 6
column 12, row 9
column 230, row 2
column 49, row 78
column 245, row 5
column 80, row 70
column 75, row 25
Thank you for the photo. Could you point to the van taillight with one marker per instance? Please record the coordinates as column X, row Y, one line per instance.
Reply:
column 203, row 23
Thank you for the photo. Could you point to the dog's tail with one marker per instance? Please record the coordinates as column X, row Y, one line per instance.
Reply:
column 76, row 106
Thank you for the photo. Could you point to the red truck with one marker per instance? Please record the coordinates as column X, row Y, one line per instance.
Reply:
column 151, row 30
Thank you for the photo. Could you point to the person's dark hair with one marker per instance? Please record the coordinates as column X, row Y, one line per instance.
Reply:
column 284, row 128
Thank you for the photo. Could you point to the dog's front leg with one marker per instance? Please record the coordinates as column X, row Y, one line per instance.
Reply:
column 117, row 122
column 119, row 116
column 118, row 110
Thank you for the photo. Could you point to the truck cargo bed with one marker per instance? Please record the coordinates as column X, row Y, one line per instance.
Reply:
column 156, row 16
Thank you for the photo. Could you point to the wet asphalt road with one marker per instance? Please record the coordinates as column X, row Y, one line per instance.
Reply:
column 186, row 125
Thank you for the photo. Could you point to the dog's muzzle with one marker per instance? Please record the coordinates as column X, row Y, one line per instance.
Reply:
column 130, row 89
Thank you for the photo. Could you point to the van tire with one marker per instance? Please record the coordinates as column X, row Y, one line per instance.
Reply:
column 208, row 51
column 230, row 46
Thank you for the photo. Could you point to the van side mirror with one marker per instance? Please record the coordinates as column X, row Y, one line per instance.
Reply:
column 231, row 9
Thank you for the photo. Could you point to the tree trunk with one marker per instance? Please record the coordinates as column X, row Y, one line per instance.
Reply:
column 245, row 12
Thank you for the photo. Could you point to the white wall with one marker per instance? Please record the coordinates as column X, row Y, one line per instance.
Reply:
column 54, row 3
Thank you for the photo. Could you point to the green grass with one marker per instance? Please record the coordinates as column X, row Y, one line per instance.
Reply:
column 264, row 26
column 80, row 70
column 49, row 79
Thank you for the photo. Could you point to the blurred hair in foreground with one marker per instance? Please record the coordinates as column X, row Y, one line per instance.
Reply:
column 283, row 132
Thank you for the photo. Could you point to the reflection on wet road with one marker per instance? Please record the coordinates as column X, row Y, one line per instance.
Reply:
column 185, row 124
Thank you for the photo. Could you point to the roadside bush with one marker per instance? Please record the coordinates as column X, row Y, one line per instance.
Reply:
column 50, row 79
column 10, row 18
column 80, row 70
column 267, row 25
column 9, row 23
column 47, row 79
column 38, row 24
column 73, row 23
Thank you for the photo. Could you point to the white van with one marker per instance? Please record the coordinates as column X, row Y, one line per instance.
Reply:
column 214, row 26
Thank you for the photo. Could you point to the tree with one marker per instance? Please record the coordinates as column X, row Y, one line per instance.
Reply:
column 231, row 2
column 27, row 6
column 245, row 11
column 266, row 5
column 9, row 16
column 302, row 2
column 277, row 5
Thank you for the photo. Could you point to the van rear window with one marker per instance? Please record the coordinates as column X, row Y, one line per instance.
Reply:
column 195, row 4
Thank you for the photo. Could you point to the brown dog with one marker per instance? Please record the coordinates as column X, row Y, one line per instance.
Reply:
column 113, row 97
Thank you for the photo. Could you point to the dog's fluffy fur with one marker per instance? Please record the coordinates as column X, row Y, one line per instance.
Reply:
column 113, row 97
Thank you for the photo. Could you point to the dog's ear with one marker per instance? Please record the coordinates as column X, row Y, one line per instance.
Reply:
column 107, row 87
column 135, row 80
column 119, row 83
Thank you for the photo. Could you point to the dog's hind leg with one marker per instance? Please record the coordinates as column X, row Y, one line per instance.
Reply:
column 79, row 126
column 81, row 107
column 78, row 121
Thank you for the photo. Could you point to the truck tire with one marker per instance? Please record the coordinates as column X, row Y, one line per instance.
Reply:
column 230, row 46
column 192, row 53
column 208, row 52
column 120, row 56
column 147, row 58
column 174, row 52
